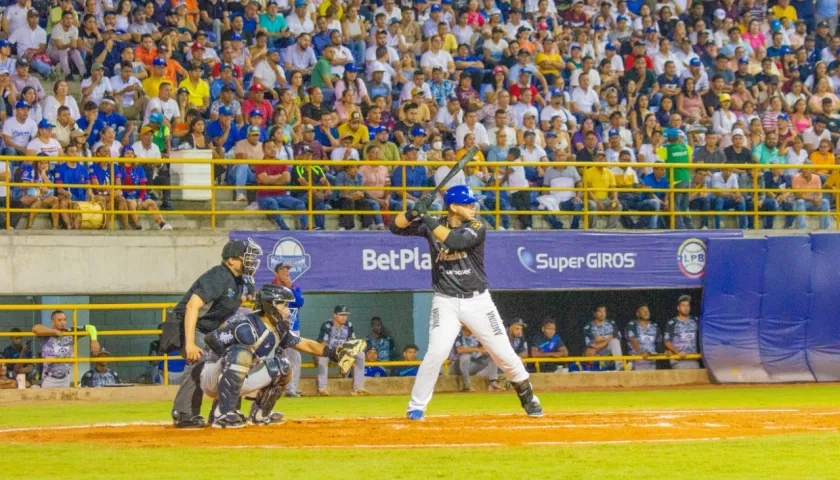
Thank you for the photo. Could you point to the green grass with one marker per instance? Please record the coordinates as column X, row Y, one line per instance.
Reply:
column 797, row 456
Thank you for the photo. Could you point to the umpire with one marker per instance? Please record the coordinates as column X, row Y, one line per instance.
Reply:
column 211, row 300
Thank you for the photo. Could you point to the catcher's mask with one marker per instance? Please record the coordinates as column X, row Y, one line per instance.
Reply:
column 251, row 261
column 274, row 300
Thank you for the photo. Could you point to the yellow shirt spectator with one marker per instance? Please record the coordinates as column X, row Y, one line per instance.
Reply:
column 601, row 178
column 360, row 137
column 151, row 85
column 833, row 181
column 548, row 57
column 819, row 158
column 450, row 43
column 781, row 12
column 198, row 92
column 339, row 12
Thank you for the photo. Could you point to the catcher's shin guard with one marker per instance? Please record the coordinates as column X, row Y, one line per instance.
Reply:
column 280, row 371
column 237, row 362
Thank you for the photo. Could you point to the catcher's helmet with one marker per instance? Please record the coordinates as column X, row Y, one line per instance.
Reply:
column 459, row 195
column 269, row 296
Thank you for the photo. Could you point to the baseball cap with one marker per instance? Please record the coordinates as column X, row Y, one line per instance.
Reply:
column 495, row 11
column 197, row 46
column 786, row 50
column 355, row 116
column 304, row 149
column 737, row 132
column 639, row 43
column 225, row 66
column 146, row 129
column 821, row 119
column 126, row 149
column 235, row 37
column 308, row 128
column 416, row 91
column 4, row 43
column 743, row 61
column 159, row 62
column 233, row 249
column 156, row 117
column 409, row 148
column 22, row 62
column 418, row 132
column 650, row 30
column 724, row 97
column 775, row 24
column 22, row 104
column 98, row 66
column 44, row 123
column 720, row 14
column 530, row 133
column 613, row 132
column 694, row 62
column 782, row 116
column 225, row 110
column 254, row 130
column 183, row 90
column 610, row 46
column 282, row 265
column 351, row 67
column 341, row 309
column 32, row 13
column 257, row 87
column 435, row 8
column 255, row 113
column 498, row 69
column 598, row 27
column 517, row 321
column 556, row 92
column 300, row 3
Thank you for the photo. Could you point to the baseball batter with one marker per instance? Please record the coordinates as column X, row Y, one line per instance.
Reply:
column 245, row 355
column 456, row 243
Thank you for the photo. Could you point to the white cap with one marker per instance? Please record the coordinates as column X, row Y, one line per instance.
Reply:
column 737, row 131
column 720, row 14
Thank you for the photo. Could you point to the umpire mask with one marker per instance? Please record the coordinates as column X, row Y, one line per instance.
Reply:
column 251, row 261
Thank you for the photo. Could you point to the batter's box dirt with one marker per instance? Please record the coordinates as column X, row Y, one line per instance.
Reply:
column 442, row 431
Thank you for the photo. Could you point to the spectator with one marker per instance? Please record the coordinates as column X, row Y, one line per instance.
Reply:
column 355, row 200
column 377, row 340
column 808, row 198
column 100, row 375
column 603, row 337
column 643, row 336
column 547, row 344
column 241, row 174
column 198, row 88
column 409, row 354
column 272, row 175
column 55, row 344
column 64, row 46
column 30, row 40
column 302, row 175
column 726, row 195
column 15, row 350
column 654, row 201
column 131, row 174
column 470, row 358
column 600, row 183
column 333, row 334
column 164, row 104
column 682, row 335
column 18, row 130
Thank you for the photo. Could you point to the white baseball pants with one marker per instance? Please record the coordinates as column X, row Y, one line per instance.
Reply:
column 480, row 315
column 257, row 378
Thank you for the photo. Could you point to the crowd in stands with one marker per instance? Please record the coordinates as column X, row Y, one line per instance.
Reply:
column 641, row 336
column 749, row 82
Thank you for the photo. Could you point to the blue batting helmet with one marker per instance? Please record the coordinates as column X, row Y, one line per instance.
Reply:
column 459, row 195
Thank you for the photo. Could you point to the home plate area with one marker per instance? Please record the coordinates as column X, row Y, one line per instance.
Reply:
column 642, row 426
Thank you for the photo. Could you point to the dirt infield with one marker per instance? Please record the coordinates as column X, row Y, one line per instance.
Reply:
column 468, row 430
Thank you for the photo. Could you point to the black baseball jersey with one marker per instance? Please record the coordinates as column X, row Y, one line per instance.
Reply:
column 221, row 292
column 457, row 263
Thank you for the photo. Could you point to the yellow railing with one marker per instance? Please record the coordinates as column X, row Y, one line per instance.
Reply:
column 583, row 192
column 73, row 309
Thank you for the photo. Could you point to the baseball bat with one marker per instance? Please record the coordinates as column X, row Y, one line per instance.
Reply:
column 459, row 165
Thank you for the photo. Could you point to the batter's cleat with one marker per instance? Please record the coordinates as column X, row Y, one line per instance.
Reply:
column 534, row 408
column 415, row 415
column 230, row 420
column 188, row 421
column 274, row 419
column 322, row 392
column 359, row 392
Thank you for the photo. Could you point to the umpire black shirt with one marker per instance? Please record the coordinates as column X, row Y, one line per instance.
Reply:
column 221, row 292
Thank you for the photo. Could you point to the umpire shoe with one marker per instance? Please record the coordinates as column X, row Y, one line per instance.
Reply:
column 273, row 419
column 186, row 420
column 415, row 415
column 322, row 392
column 359, row 392
column 230, row 420
column 534, row 408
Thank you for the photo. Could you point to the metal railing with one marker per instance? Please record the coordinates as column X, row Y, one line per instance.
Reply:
column 74, row 309
column 584, row 192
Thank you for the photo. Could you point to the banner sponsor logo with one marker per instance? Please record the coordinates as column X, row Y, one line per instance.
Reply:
column 601, row 260
column 402, row 259
column 691, row 258
column 291, row 252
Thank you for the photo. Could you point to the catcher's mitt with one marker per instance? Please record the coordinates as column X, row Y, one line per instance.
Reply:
column 346, row 354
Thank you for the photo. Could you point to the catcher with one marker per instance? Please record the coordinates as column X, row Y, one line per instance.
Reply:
column 245, row 355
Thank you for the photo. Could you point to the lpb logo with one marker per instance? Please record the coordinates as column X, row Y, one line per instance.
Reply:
column 290, row 251
column 691, row 257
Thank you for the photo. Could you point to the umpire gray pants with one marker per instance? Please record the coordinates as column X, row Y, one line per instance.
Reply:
column 358, row 371
column 483, row 365
column 189, row 396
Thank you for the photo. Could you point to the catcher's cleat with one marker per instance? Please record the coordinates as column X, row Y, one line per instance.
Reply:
column 273, row 419
column 230, row 420
column 533, row 408
column 415, row 415
column 188, row 421
column 359, row 392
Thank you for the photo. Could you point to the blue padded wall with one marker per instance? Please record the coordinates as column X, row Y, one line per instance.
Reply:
column 823, row 335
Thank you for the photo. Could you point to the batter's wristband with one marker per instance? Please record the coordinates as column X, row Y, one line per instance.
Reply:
column 91, row 331
column 330, row 353
column 430, row 222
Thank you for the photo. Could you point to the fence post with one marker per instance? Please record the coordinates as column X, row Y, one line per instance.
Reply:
column 7, row 175
column 754, row 172
column 112, row 197
column 75, row 348
column 672, row 216
column 585, row 194
column 165, row 354
column 496, row 186
column 212, row 202
column 309, row 197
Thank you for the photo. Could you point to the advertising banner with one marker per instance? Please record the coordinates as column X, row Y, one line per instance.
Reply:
column 377, row 261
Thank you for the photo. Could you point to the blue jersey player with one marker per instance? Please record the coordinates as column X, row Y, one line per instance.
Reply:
column 282, row 277
column 250, row 345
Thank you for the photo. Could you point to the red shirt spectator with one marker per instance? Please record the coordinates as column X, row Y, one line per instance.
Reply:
column 516, row 91
column 237, row 70
column 271, row 169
